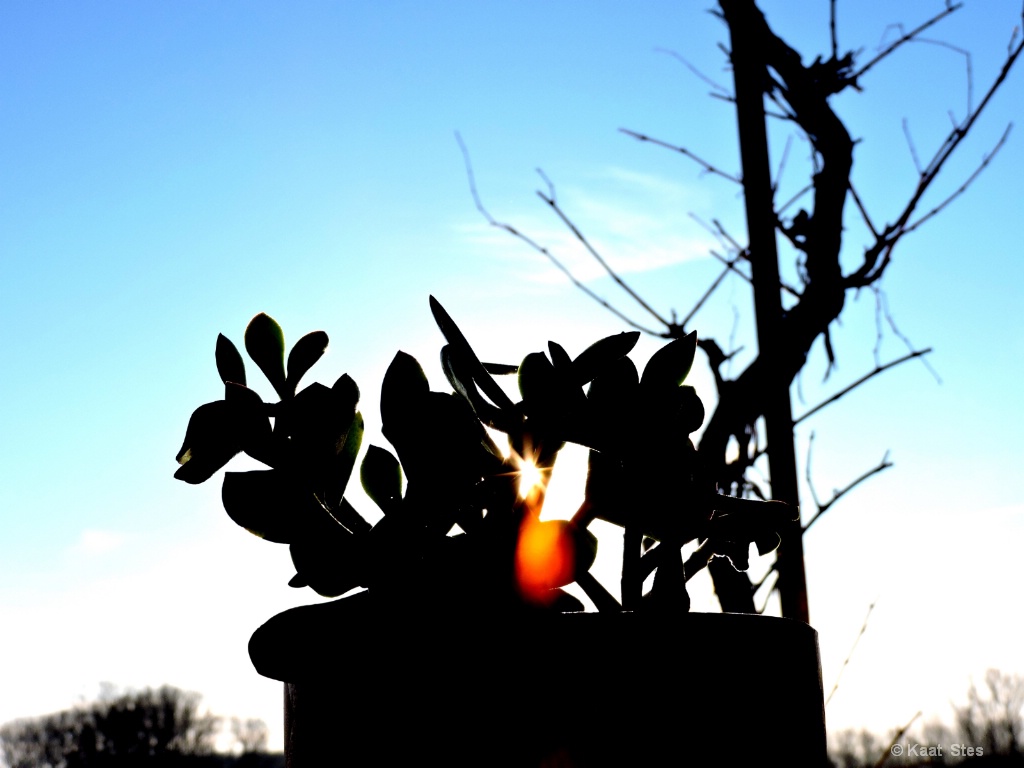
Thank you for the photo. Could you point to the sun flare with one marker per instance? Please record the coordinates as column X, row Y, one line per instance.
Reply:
column 530, row 477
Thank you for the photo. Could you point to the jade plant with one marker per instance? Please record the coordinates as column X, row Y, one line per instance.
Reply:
column 461, row 526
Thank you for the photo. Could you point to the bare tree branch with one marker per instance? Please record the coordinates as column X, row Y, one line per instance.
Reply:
column 883, row 465
column 538, row 247
column 863, row 211
column 906, row 38
column 849, row 656
column 858, row 382
column 887, row 752
column 878, row 256
column 708, row 167
column 720, row 88
column 986, row 159
column 553, row 204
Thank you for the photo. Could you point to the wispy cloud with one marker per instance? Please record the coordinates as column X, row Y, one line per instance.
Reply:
column 637, row 222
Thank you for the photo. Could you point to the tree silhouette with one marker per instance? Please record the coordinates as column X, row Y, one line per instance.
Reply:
column 754, row 408
column 156, row 726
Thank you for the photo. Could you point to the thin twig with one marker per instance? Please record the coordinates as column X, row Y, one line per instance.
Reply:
column 794, row 198
column 902, row 336
column 538, row 247
column 708, row 167
column 782, row 164
column 878, row 256
column 694, row 70
column 771, row 590
column 986, row 159
column 913, row 149
column 883, row 465
column 887, row 752
column 906, row 38
column 849, row 656
column 730, row 264
column 863, row 211
column 707, row 294
column 553, row 204
column 861, row 380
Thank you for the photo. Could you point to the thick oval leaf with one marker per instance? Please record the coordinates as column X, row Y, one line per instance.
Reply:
column 612, row 399
column 476, row 369
column 670, row 364
column 344, row 462
column 381, row 476
column 264, row 341
column 690, row 412
column 347, row 389
column 268, row 504
column 616, row 387
column 251, row 423
column 229, row 362
column 303, row 356
column 330, row 563
column 403, row 389
column 210, row 442
column 599, row 355
column 454, row 370
column 537, row 381
column 559, row 357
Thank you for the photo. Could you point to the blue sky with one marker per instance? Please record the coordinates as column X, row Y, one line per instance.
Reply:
column 171, row 169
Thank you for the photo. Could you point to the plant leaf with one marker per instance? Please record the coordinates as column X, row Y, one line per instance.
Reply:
column 475, row 368
column 381, row 476
column 403, row 389
column 500, row 369
column 210, row 442
column 303, row 356
column 267, row 504
column 464, row 385
column 559, row 357
column 229, row 362
column 670, row 364
column 264, row 341
column 599, row 355
column 250, row 422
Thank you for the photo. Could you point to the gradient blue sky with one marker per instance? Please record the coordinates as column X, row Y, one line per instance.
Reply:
column 170, row 169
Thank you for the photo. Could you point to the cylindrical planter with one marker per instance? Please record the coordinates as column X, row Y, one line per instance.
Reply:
column 585, row 689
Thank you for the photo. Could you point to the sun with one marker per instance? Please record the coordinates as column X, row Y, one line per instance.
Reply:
column 530, row 477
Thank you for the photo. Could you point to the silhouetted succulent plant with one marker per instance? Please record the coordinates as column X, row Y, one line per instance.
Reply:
column 465, row 532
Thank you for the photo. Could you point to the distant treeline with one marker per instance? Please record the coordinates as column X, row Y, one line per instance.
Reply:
column 987, row 731
column 158, row 728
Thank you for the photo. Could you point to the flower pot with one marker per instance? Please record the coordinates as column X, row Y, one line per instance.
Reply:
column 584, row 689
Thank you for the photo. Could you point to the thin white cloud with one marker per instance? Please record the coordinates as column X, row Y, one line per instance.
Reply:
column 637, row 223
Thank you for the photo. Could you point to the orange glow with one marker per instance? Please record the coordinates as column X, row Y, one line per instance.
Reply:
column 544, row 558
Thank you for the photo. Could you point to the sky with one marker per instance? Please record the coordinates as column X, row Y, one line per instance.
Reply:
column 171, row 169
